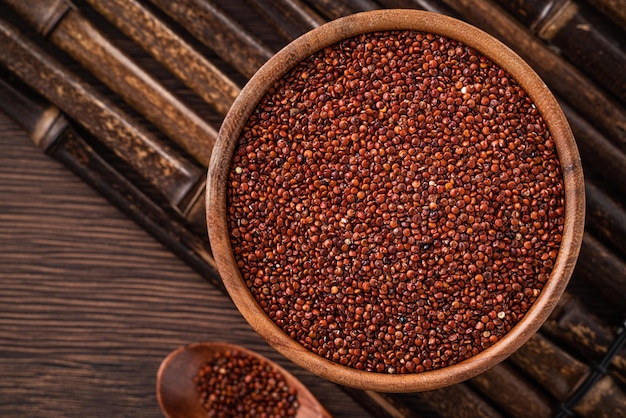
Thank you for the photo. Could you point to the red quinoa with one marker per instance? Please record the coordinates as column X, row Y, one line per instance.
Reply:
column 235, row 384
column 396, row 202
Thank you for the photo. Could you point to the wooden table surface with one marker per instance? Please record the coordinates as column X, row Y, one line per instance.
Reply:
column 90, row 304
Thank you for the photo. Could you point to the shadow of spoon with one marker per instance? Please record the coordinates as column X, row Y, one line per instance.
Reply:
column 176, row 390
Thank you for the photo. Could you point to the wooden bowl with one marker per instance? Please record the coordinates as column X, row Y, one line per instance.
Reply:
column 314, row 41
column 176, row 391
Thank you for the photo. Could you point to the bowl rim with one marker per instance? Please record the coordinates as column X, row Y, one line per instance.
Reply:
column 287, row 58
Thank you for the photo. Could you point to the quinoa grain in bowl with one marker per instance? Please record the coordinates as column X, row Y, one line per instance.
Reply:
column 396, row 202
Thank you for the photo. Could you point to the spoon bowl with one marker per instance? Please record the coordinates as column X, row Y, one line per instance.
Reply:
column 176, row 390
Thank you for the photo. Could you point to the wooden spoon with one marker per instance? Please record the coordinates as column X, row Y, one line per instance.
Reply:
column 176, row 391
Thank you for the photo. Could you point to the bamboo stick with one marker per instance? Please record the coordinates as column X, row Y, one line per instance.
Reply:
column 605, row 218
column 332, row 9
column 290, row 18
column 218, row 31
column 76, row 36
column 581, row 35
column 380, row 404
column 458, row 401
column 141, row 25
column 603, row 400
column 51, row 131
column 560, row 374
column 433, row 6
column 540, row 358
column 180, row 181
column 596, row 151
column 600, row 267
column 512, row 393
column 572, row 323
column 613, row 9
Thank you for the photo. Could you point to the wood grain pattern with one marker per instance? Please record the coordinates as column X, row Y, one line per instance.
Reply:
column 171, row 50
column 209, row 24
column 90, row 304
column 159, row 164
